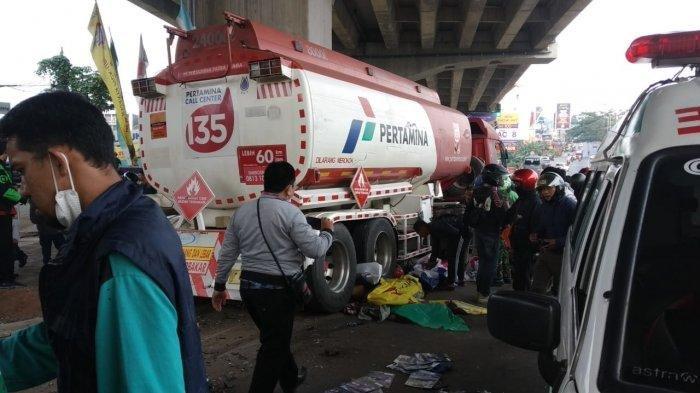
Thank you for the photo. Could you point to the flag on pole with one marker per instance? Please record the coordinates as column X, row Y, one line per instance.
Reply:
column 183, row 18
column 105, row 62
column 143, row 60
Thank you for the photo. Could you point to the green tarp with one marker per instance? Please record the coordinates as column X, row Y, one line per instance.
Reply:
column 434, row 316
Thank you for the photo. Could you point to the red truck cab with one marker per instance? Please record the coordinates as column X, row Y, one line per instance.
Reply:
column 486, row 144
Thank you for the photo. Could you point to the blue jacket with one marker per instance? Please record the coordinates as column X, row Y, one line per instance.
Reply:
column 553, row 218
column 122, row 221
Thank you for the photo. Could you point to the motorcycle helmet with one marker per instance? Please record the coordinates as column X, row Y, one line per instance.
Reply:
column 493, row 174
column 525, row 179
column 551, row 179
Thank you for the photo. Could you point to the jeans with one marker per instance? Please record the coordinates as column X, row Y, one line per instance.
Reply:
column 272, row 311
column 7, row 260
column 488, row 248
column 47, row 240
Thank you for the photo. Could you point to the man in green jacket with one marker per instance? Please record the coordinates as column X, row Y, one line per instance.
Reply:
column 9, row 196
column 117, row 306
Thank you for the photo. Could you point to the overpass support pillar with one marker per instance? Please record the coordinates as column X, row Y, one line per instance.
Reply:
column 309, row 19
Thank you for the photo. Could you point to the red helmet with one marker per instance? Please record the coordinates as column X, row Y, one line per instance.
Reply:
column 525, row 179
column 585, row 171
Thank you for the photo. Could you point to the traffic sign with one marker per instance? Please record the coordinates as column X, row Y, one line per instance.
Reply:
column 360, row 187
column 193, row 196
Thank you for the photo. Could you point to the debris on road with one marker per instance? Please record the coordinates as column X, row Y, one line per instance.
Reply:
column 372, row 383
column 374, row 313
column 434, row 362
column 423, row 379
column 431, row 315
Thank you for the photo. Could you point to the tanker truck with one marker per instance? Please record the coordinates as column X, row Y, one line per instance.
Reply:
column 371, row 150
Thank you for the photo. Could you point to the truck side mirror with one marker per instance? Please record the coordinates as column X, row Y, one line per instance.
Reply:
column 524, row 319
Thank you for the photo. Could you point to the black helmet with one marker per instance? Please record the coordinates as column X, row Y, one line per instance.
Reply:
column 550, row 179
column 493, row 174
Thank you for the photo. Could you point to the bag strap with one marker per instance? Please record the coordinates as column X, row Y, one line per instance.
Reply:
column 286, row 279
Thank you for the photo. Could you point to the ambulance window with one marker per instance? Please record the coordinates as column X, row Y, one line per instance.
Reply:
column 585, row 210
column 654, row 318
column 590, row 247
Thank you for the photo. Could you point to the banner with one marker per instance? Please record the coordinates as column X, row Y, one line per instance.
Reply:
column 508, row 127
column 563, row 117
column 102, row 56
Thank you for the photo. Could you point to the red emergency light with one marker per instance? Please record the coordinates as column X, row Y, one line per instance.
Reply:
column 666, row 50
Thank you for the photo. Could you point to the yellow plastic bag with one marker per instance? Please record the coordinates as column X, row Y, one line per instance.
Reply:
column 397, row 292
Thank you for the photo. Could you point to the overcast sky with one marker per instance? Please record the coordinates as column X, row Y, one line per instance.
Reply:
column 590, row 72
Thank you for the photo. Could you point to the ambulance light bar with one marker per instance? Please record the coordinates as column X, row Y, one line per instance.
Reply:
column 666, row 50
column 271, row 70
column 145, row 88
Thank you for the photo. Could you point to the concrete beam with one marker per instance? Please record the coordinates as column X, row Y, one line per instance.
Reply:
column 481, row 83
column 562, row 13
column 457, row 14
column 166, row 10
column 517, row 13
column 384, row 12
column 344, row 25
column 457, row 76
column 510, row 82
column 428, row 22
column 474, row 10
column 419, row 67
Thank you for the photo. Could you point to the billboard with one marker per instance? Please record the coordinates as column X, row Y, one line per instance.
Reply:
column 508, row 127
column 563, row 117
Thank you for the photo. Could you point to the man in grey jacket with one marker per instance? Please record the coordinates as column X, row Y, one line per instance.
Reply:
column 263, row 287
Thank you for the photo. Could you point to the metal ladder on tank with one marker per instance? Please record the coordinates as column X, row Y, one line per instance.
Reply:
column 411, row 245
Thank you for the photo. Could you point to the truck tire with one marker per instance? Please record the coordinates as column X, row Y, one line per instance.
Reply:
column 375, row 241
column 333, row 279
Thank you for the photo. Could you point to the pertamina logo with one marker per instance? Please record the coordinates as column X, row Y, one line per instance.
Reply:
column 388, row 133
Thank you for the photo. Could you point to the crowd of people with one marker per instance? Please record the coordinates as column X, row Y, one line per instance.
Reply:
column 120, row 263
column 527, row 213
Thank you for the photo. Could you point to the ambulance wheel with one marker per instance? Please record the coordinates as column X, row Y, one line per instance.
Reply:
column 375, row 241
column 333, row 279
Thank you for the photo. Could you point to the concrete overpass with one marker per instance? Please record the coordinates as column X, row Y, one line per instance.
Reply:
column 472, row 52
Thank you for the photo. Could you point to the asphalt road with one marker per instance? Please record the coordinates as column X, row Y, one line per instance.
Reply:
column 335, row 348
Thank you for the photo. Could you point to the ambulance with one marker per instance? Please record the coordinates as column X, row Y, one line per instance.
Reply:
column 627, row 317
column 371, row 150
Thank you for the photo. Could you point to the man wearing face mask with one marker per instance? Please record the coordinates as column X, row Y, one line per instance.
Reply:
column 522, row 218
column 118, row 313
column 9, row 196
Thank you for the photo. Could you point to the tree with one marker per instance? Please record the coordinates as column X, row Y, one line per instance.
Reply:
column 591, row 126
column 83, row 80
column 524, row 150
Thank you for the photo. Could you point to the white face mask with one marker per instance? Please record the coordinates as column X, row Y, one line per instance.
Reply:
column 67, row 201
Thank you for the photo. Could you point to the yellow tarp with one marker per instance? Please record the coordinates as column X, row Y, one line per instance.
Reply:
column 397, row 292
column 460, row 307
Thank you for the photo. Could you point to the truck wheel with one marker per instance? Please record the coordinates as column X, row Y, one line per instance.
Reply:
column 333, row 279
column 376, row 242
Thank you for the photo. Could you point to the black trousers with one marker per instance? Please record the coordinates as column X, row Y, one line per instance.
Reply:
column 522, row 261
column 48, row 238
column 7, row 263
column 272, row 311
